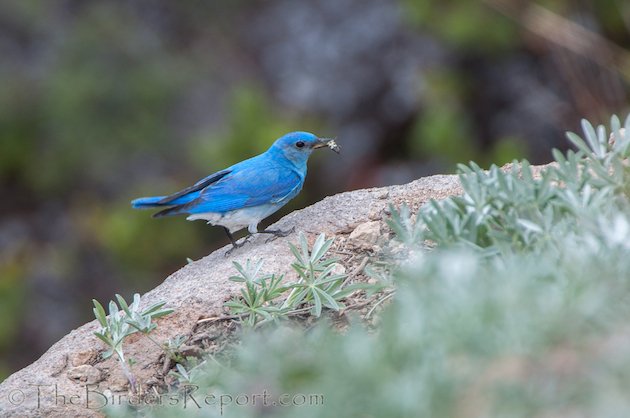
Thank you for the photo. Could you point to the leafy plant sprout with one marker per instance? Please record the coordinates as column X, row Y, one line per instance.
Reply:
column 120, row 324
column 317, row 281
column 257, row 296
column 318, row 286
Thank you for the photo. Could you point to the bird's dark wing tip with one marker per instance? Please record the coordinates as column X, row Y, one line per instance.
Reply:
column 167, row 212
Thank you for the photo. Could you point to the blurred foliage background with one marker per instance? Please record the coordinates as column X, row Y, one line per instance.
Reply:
column 102, row 102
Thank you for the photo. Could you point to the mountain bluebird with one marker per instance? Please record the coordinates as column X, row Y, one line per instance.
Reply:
column 246, row 193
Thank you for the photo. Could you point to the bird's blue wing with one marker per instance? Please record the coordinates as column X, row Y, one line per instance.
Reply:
column 246, row 186
column 205, row 182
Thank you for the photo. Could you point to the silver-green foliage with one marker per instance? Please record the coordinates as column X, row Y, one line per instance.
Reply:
column 318, row 286
column 120, row 324
column 256, row 304
column 448, row 342
column 503, row 211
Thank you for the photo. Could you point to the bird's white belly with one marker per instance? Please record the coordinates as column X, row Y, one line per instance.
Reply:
column 238, row 219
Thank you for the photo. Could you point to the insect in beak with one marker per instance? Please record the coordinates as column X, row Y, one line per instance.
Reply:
column 327, row 142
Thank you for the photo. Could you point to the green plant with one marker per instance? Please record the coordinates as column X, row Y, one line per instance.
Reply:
column 172, row 347
column 506, row 210
column 182, row 375
column 116, row 327
column 318, row 284
column 257, row 296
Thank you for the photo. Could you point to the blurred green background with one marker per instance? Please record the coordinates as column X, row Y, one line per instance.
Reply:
column 102, row 102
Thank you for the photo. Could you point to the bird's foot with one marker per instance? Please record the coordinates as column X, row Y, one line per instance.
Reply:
column 236, row 245
column 277, row 233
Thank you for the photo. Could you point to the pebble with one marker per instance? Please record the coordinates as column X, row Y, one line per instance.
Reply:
column 83, row 357
column 86, row 374
column 366, row 233
column 374, row 214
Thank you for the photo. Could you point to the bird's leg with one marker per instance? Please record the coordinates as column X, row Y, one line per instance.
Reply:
column 235, row 245
column 277, row 233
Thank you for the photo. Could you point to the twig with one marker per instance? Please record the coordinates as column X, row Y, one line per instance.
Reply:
column 356, row 271
column 383, row 299
column 366, row 302
column 221, row 318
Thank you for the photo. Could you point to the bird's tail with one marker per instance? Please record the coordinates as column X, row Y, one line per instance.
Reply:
column 174, row 207
column 148, row 202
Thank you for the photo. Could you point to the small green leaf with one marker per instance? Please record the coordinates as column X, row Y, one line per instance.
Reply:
column 99, row 313
column 123, row 304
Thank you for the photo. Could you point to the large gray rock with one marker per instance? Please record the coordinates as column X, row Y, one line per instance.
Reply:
column 71, row 380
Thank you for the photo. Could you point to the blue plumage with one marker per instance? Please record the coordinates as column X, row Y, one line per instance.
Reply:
column 244, row 194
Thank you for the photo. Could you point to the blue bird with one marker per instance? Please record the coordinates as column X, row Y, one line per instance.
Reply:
column 246, row 193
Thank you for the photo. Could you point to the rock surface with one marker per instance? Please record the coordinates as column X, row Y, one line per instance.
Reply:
column 70, row 380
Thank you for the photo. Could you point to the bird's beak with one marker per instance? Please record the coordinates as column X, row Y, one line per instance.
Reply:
column 327, row 142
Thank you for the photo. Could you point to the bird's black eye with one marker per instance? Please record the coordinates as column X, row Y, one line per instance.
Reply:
column 299, row 144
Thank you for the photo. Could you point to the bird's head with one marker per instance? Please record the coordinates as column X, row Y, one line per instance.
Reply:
column 298, row 146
